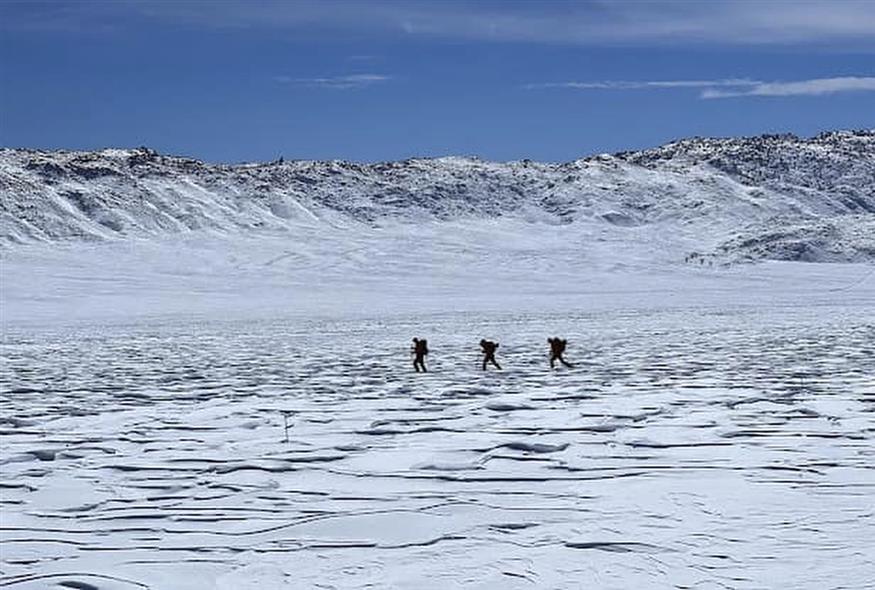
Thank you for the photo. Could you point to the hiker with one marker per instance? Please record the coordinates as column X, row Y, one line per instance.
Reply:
column 557, row 347
column 419, row 350
column 489, row 353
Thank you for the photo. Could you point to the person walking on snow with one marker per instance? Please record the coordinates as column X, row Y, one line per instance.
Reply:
column 489, row 353
column 419, row 350
column 557, row 347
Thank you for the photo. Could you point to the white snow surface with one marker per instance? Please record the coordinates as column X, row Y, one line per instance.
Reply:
column 692, row 448
column 716, row 430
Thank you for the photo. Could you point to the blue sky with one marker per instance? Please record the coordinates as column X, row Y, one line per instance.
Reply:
column 239, row 81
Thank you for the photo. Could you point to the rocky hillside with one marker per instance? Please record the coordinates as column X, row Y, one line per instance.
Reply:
column 775, row 196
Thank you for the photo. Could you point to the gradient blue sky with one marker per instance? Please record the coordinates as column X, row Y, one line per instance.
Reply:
column 239, row 81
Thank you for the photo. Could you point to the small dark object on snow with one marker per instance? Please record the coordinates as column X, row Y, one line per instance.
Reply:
column 419, row 350
column 557, row 347
column 489, row 353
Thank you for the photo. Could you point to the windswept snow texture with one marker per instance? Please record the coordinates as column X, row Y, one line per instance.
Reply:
column 774, row 197
column 687, row 449
column 205, row 378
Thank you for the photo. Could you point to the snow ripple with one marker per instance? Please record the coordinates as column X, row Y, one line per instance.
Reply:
column 687, row 449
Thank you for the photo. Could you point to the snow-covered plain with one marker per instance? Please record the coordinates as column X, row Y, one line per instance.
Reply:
column 716, row 431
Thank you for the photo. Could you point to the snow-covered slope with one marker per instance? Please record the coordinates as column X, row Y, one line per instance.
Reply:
column 778, row 197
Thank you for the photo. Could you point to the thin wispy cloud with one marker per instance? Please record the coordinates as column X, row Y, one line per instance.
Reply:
column 730, row 87
column 645, row 84
column 336, row 82
column 585, row 22
column 649, row 22
column 816, row 87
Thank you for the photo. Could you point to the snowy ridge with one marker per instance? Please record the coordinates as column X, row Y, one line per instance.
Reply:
column 768, row 197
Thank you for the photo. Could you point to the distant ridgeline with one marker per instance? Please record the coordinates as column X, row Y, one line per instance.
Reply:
column 769, row 197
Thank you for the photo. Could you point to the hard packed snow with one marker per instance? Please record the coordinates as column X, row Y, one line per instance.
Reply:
column 696, row 448
column 208, row 385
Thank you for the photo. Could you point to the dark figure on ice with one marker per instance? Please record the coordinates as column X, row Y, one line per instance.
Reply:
column 489, row 353
column 419, row 350
column 557, row 347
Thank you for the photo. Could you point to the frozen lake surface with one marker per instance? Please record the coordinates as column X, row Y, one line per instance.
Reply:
column 690, row 447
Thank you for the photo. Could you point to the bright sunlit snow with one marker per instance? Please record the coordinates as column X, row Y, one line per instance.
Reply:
column 231, row 404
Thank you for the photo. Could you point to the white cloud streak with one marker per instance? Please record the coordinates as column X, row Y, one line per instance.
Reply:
column 816, row 87
column 649, row 22
column 336, row 82
column 646, row 84
column 731, row 87
column 583, row 22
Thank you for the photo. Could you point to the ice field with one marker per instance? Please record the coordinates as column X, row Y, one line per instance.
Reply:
column 205, row 378
column 716, row 431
